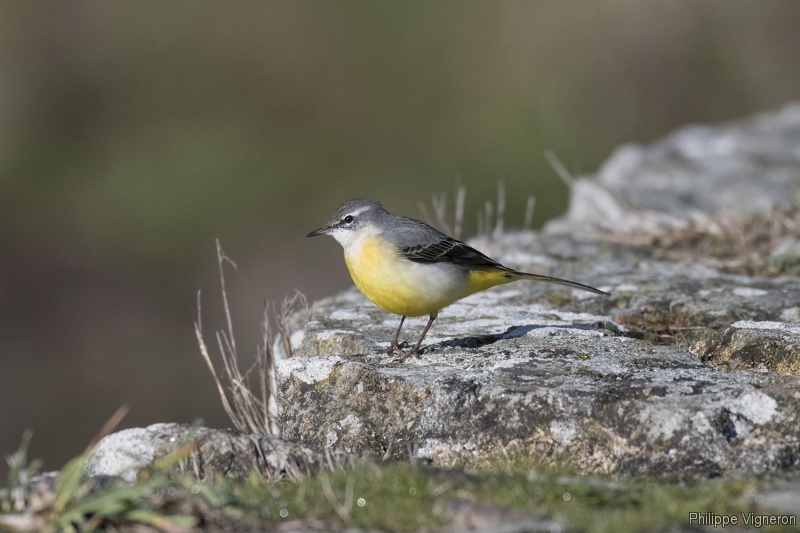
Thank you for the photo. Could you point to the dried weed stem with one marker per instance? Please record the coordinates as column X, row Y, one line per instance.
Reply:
column 251, row 410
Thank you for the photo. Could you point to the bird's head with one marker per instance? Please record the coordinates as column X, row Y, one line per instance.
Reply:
column 353, row 220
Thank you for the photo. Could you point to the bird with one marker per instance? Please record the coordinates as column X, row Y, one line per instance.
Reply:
column 411, row 269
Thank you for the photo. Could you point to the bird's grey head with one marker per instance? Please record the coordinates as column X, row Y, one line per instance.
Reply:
column 354, row 218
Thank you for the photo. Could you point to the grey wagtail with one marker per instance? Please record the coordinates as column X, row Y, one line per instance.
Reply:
column 408, row 268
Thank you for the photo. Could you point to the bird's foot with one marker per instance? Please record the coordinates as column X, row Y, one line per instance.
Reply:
column 402, row 355
column 396, row 348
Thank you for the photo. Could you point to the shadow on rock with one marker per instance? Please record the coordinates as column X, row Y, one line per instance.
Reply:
column 514, row 332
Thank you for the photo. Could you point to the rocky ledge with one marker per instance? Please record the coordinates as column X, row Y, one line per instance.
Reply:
column 207, row 453
column 689, row 367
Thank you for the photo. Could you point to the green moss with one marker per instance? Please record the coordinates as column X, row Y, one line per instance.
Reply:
column 396, row 498
column 389, row 497
column 784, row 264
column 400, row 497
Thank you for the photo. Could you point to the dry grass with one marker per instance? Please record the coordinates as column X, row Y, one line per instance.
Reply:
column 283, row 315
column 249, row 397
column 527, row 223
column 491, row 220
column 439, row 207
column 559, row 168
column 744, row 243
column 668, row 327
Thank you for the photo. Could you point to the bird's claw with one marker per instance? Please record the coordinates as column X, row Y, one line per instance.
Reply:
column 402, row 355
column 396, row 348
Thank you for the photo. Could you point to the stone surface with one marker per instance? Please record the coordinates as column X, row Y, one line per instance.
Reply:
column 688, row 367
column 771, row 346
column 784, row 498
column 747, row 166
column 507, row 375
column 209, row 452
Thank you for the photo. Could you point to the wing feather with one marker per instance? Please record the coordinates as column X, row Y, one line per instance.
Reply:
column 448, row 250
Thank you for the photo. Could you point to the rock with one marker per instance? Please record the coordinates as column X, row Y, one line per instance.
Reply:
column 784, row 498
column 748, row 166
column 553, row 384
column 125, row 452
column 771, row 346
column 463, row 515
column 609, row 384
column 209, row 452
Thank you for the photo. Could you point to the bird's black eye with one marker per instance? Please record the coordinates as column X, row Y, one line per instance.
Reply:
column 348, row 219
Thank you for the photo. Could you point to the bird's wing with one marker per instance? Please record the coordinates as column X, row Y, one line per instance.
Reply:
column 419, row 242
column 448, row 251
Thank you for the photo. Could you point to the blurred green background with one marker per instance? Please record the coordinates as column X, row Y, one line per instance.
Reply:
column 133, row 134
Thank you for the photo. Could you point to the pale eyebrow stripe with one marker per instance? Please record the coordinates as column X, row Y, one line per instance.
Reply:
column 355, row 213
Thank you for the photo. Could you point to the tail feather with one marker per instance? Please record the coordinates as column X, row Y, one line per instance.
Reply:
column 559, row 281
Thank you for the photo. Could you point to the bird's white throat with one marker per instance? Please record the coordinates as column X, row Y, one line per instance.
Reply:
column 352, row 240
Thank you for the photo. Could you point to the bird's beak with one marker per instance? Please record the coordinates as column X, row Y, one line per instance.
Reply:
column 324, row 230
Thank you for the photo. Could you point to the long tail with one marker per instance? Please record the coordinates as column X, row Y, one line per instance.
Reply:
column 559, row 281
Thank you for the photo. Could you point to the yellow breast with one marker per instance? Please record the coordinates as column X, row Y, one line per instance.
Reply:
column 398, row 285
column 404, row 287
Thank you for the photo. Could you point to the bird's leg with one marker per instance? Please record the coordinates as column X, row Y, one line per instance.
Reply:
column 394, row 346
column 416, row 350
